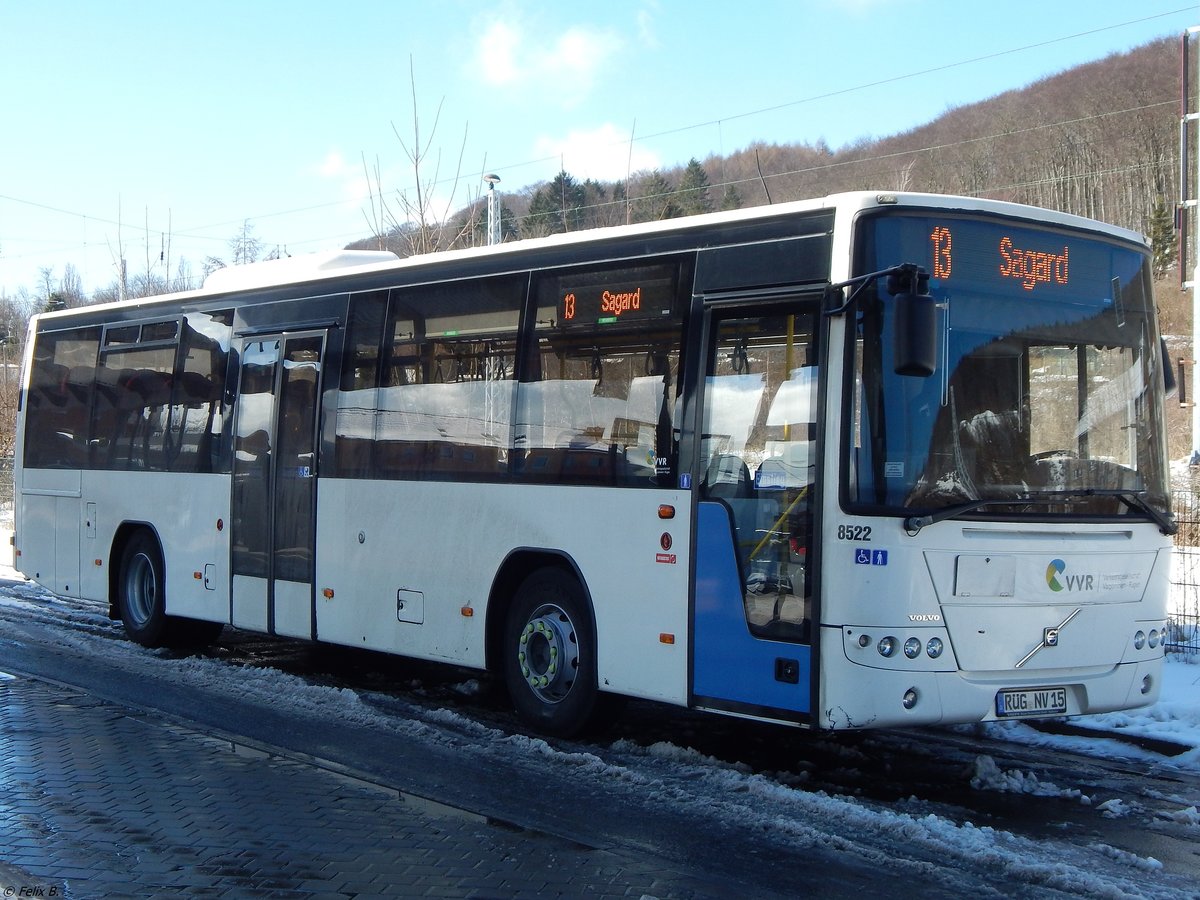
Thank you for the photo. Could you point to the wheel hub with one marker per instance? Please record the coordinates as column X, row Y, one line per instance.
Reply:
column 548, row 653
column 140, row 588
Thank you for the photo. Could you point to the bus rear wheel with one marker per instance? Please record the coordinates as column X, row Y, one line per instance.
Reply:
column 549, row 654
column 141, row 591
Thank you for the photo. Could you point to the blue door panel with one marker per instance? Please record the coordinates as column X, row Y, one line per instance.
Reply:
column 728, row 662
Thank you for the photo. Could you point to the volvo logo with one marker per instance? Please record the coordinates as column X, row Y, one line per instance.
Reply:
column 925, row 617
column 1049, row 637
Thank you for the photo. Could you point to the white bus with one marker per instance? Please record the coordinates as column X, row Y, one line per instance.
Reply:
column 869, row 460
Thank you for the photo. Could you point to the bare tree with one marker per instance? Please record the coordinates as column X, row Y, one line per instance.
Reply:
column 245, row 247
column 71, row 287
column 14, row 321
column 415, row 224
column 184, row 279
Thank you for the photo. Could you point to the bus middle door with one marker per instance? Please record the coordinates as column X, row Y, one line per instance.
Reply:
column 273, row 507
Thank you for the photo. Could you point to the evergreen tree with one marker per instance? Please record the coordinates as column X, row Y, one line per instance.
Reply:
column 598, row 209
column 556, row 207
column 1160, row 229
column 731, row 199
column 543, row 217
column 654, row 199
column 693, row 195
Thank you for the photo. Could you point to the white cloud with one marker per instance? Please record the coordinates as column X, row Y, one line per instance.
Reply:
column 332, row 166
column 497, row 52
column 600, row 153
column 559, row 68
column 645, row 23
column 349, row 176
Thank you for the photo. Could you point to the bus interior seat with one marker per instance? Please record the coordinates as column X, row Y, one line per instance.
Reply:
column 197, row 389
column 53, row 384
column 727, row 476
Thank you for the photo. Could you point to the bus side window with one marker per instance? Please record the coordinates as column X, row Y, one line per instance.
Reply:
column 600, row 414
column 427, row 381
column 596, row 400
column 355, row 431
column 129, row 420
column 197, row 413
column 60, row 389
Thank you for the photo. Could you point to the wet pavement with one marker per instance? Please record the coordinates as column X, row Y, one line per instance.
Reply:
column 101, row 800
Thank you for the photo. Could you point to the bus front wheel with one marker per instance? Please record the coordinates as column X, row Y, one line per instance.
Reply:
column 141, row 591
column 549, row 654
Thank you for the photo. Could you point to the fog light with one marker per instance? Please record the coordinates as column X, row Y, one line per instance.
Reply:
column 1147, row 684
column 864, row 640
column 887, row 646
column 1153, row 638
column 934, row 648
column 1139, row 640
column 912, row 648
column 910, row 698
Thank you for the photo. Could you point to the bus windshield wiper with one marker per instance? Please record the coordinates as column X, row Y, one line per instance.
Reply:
column 1135, row 500
column 914, row 524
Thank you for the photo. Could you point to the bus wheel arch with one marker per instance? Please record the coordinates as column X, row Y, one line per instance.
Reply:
column 137, row 592
column 542, row 642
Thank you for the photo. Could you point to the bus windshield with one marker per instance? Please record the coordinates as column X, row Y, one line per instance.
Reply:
column 1047, row 394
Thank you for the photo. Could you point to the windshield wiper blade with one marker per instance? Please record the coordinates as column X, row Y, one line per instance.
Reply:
column 1135, row 500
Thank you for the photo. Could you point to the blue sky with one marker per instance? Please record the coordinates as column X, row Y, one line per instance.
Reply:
column 130, row 124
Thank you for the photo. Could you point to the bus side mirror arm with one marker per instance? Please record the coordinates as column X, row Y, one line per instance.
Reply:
column 915, row 347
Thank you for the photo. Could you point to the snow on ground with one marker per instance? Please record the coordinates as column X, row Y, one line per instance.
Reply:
column 1174, row 718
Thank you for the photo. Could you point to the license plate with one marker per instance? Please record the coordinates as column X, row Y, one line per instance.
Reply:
column 1036, row 702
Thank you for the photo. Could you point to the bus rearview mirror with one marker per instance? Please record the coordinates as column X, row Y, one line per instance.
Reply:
column 915, row 347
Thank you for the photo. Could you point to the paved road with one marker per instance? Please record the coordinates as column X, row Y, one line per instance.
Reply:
column 104, row 801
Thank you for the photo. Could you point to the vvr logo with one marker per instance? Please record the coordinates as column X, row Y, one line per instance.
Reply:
column 1057, row 570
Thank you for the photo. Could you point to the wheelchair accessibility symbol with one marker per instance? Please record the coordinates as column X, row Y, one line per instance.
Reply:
column 866, row 556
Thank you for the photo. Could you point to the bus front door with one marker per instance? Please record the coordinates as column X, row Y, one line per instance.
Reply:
column 753, row 611
column 273, row 506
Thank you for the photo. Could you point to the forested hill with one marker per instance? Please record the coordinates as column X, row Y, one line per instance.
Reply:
column 1100, row 140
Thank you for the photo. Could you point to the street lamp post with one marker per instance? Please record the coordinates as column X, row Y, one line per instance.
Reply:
column 493, row 213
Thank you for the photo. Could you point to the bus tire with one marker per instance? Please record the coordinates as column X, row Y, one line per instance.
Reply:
column 549, row 655
column 141, row 591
